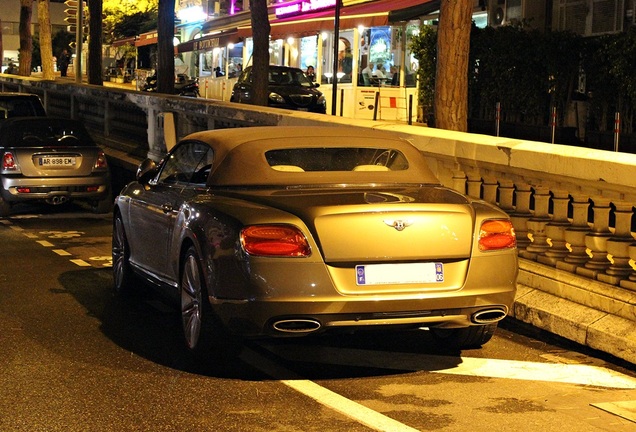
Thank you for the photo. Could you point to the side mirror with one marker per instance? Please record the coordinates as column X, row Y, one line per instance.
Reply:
column 146, row 170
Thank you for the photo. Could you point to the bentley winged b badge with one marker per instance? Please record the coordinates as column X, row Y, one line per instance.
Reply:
column 398, row 224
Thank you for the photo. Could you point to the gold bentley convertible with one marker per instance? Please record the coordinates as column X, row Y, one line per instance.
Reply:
column 291, row 231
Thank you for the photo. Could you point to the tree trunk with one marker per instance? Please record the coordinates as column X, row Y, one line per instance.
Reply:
column 46, row 43
column 260, row 55
column 94, row 69
column 165, row 47
column 1, row 48
column 451, row 82
column 26, row 41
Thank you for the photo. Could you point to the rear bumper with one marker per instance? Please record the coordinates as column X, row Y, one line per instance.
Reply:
column 286, row 319
column 86, row 188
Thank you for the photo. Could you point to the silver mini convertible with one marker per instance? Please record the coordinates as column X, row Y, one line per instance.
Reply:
column 51, row 160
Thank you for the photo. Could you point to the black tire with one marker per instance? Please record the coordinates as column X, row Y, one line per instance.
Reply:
column 204, row 336
column 464, row 338
column 5, row 208
column 123, row 276
column 196, row 313
column 104, row 205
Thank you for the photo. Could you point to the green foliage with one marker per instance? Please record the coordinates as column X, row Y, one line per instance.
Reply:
column 424, row 48
column 529, row 72
column 126, row 18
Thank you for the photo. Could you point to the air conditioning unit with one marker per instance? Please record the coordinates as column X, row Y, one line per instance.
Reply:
column 496, row 12
column 503, row 12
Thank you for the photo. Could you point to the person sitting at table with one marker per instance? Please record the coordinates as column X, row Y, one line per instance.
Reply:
column 395, row 75
column 367, row 74
column 380, row 72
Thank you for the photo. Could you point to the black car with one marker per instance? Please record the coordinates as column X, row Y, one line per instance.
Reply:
column 289, row 88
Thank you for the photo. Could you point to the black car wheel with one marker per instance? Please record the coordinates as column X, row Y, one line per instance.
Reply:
column 196, row 314
column 122, row 273
column 464, row 338
column 5, row 208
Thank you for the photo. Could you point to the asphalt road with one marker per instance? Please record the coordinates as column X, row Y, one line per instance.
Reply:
column 76, row 357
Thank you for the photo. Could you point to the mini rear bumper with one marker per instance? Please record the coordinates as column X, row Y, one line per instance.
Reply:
column 20, row 189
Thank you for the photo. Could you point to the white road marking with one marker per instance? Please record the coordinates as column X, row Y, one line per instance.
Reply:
column 5, row 222
column 491, row 368
column 45, row 243
column 626, row 409
column 334, row 401
column 61, row 252
column 80, row 263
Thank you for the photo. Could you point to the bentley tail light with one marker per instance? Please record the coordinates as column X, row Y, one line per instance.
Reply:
column 496, row 234
column 275, row 240
column 9, row 163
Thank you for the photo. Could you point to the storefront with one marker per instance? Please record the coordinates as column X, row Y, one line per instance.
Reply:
column 303, row 34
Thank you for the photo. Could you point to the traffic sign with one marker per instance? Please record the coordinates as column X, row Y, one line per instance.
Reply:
column 71, row 3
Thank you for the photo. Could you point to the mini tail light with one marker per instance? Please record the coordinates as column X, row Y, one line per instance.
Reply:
column 275, row 240
column 9, row 163
column 100, row 162
column 497, row 234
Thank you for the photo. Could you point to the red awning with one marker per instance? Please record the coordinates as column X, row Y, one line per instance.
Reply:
column 146, row 39
column 371, row 14
column 122, row 42
column 211, row 41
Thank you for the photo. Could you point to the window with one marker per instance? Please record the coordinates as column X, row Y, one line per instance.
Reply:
column 188, row 163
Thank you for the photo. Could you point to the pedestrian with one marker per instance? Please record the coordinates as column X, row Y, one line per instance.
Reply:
column 311, row 73
column 63, row 61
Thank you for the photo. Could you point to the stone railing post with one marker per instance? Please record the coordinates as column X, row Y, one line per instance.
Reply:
column 537, row 224
column 521, row 213
column 555, row 229
column 596, row 241
column 618, row 245
column 575, row 235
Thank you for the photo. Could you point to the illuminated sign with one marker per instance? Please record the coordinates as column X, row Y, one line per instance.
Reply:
column 296, row 7
column 206, row 44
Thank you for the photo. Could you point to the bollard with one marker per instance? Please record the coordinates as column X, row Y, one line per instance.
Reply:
column 410, row 109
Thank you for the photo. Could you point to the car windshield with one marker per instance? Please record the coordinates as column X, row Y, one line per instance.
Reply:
column 46, row 132
column 289, row 77
column 336, row 159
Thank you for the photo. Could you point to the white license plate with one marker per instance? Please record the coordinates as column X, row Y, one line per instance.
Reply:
column 56, row 161
column 383, row 274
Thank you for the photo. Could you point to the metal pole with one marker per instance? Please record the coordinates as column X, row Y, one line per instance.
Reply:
column 497, row 118
column 341, row 102
column 375, row 105
column 617, row 130
column 336, row 41
column 553, row 123
column 78, row 41
column 410, row 109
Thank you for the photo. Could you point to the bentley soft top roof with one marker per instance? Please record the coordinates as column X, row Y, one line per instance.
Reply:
column 240, row 155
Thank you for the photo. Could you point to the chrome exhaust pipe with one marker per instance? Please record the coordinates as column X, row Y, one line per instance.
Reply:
column 488, row 316
column 296, row 326
column 57, row 199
